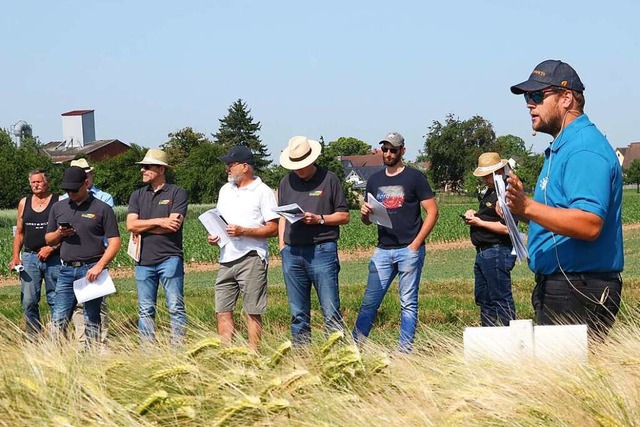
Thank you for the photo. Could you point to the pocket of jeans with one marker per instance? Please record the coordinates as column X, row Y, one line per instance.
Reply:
column 490, row 253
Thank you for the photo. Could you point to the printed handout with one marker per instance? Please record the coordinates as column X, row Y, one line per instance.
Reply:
column 87, row 291
column 291, row 212
column 379, row 214
column 215, row 225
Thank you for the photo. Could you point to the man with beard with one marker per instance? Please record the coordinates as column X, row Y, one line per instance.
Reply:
column 40, row 262
column 247, row 205
column 575, row 228
column 403, row 191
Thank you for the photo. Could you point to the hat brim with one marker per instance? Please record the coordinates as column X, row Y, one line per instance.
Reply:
column 484, row 171
column 71, row 185
column 384, row 141
column 152, row 163
column 528, row 86
column 287, row 163
column 229, row 159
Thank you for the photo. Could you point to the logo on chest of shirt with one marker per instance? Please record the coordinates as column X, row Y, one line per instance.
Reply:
column 391, row 196
column 88, row 215
column 316, row 193
column 165, row 202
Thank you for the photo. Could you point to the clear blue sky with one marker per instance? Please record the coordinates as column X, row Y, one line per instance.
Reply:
column 331, row 68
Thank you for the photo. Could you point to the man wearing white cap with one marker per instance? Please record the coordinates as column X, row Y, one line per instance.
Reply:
column 155, row 216
column 78, row 312
column 309, row 246
column 494, row 260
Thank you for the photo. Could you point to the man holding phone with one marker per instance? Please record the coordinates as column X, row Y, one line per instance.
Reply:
column 80, row 225
column 155, row 216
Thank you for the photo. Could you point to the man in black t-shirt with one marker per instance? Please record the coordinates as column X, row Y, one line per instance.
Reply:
column 39, row 262
column 494, row 258
column 80, row 225
column 309, row 246
column 155, row 217
column 404, row 192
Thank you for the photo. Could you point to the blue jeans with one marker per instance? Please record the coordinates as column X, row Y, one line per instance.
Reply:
column 384, row 266
column 35, row 271
column 492, row 272
column 170, row 273
column 304, row 266
column 66, row 301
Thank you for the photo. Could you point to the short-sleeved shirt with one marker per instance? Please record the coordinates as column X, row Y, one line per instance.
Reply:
column 481, row 236
column 581, row 171
column 93, row 220
column 148, row 204
column 322, row 194
column 250, row 206
column 401, row 194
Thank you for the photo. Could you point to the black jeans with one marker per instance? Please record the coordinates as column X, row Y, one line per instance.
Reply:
column 587, row 298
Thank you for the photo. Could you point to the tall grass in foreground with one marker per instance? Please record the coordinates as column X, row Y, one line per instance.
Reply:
column 329, row 383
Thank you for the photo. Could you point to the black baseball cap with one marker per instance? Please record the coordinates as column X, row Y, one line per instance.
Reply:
column 73, row 178
column 238, row 153
column 550, row 73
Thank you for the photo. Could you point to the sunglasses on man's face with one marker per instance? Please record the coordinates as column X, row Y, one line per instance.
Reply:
column 538, row 96
column 393, row 150
column 147, row 167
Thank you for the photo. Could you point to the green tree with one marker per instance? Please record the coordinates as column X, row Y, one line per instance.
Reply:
column 349, row 146
column 632, row 174
column 120, row 175
column 238, row 128
column 180, row 144
column 453, row 148
column 204, row 173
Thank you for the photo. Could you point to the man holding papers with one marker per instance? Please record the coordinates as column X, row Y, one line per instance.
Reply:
column 156, row 214
column 309, row 245
column 80, row 224
column 403, row 192
column 246, row 204
column 490, row 236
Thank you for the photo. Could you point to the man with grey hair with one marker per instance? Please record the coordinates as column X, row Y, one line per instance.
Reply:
column 40, row 262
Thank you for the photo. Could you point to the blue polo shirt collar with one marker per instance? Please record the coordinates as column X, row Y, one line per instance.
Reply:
column 569, row 132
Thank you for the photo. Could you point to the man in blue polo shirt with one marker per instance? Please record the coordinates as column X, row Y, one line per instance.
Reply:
column 575, row 229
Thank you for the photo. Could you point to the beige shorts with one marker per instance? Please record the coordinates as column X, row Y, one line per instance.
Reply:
column 246, row 276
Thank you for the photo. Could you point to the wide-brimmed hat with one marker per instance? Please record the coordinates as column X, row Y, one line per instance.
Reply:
column 300, row 153
column 488, row 163
column 73, row 178
column 82, row 163
column 155, row 156
column 550, row 73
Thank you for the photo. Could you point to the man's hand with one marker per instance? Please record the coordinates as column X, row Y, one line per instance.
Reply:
column 235, row 230
column 171, row 223
column 14, row 262
column 94, row 272
column 366, row 209
column 517, row 199
column 311, row 218
column 213, row 240
column 45, row 252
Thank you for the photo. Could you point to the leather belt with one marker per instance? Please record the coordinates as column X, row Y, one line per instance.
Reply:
column 497, row 245
column 80, row 263
column 559, row 276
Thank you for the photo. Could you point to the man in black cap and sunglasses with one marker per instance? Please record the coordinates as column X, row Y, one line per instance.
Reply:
column 405, row 193
column 575, row 225
column 80, row 225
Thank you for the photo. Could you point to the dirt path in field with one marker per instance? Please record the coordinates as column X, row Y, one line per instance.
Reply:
column 352, row 255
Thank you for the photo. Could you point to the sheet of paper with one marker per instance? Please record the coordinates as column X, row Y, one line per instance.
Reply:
column 292, row 212
column 215, row 225
column 134, row 247
column 516, row 237
column 379, row 214
column 87, row 291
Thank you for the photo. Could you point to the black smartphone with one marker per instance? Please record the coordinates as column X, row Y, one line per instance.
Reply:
column 64, row 225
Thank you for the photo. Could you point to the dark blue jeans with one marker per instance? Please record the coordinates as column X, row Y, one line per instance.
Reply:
column 31, row 278
column 312, row 265
column 66, row 302
column 492, row 272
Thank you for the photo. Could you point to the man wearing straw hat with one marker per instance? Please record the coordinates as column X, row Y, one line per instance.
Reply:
column 494, row 258
column 155, row 216
column 575, row 228
column 309, row 246
column 404, row 192
column 78, row 312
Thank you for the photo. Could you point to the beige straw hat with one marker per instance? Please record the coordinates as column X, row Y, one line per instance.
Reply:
column 300, row 153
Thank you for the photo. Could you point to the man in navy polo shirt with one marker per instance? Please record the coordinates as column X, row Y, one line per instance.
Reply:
column 155, row 216
column 80, row 225
column 575, row 229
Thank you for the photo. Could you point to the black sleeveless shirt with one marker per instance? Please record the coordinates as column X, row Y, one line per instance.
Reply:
column 35, row 224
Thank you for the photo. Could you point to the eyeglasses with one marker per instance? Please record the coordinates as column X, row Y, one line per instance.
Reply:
column 538, row 96
column 147, row 167
column 393, row 150
column 232, row 164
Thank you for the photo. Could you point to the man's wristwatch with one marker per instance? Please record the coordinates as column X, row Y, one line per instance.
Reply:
column 321, row 222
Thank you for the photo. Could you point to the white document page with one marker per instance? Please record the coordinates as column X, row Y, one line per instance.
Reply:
column 215, row 225
column 134, row 247
column 516, row 237
column 379, row 214
column 292, row 212
column 87, row 291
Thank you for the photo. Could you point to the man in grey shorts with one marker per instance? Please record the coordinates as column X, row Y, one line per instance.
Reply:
column 246, row 204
